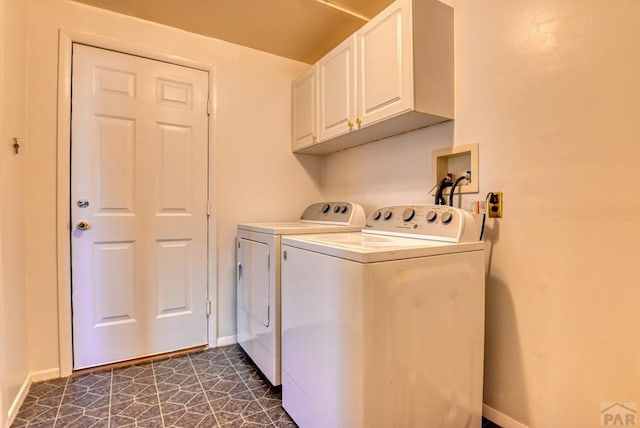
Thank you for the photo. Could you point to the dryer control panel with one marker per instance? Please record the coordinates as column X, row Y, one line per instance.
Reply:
column 434, row 222
column 342, row 213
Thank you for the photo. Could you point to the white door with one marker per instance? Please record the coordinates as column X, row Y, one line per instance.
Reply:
column 337, row 90
column 385, row 64
column 304, row 109
column 253, row 282
column 139, row 171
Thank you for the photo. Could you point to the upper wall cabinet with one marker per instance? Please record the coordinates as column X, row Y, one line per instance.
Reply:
column 337, row 90
column 394, row 75
column 304, row 123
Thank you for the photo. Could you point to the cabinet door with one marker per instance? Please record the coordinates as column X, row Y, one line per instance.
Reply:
column 337, row 90
column 385, row 64
column 304, row 110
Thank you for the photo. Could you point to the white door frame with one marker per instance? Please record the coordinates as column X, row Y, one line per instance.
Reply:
column 65, row 40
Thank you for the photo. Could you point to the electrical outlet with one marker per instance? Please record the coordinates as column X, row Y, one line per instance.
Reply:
column 494, row 204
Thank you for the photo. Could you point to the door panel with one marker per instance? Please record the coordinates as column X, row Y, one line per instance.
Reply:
column 172, row 93
column 385, row 66
column 175, row 154
column 114, row 283
column 255, row 280
column 174, row 294
column 116, row 144
column 116, row 81
column 337, row 93
column 304, row 108
column 139, row 158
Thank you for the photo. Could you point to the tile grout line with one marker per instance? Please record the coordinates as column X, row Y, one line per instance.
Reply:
column 231, row 355
column 204, row 392
column 110, row 395
column 250, row 390
column 64, row 391
column 155, row 384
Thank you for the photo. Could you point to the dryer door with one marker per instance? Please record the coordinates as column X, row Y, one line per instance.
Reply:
column 253, row 279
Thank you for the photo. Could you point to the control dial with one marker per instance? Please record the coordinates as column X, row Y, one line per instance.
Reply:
column 343, row 209
column 376, row 215
column 336, row 209
column 447, row 217
column 431, row 216
column 408, row 214
column 326, row 208
column 387, row 214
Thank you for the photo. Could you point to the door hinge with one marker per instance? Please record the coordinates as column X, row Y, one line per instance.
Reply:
column 208, row 305
column 209, row 208
column 209, row 107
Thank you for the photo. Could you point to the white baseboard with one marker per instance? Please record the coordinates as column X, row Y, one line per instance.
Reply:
column 227, row 340
column 15, row 406
column 42, row 375
column 500, row 418
column 39, row 376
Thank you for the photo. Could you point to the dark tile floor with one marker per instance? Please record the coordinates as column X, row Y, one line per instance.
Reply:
column 216, row 388
column 219, row 387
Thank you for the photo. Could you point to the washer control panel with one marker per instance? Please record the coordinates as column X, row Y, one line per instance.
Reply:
column 435, row 222
column 332, row 212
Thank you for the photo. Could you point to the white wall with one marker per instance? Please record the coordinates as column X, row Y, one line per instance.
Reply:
column 255, row 176
column 3, row 381
column 13, row 325
column 396, row 170
column 551, row 91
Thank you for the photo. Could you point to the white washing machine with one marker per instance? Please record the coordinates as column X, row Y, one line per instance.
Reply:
column 258, row 276
column 385, row 328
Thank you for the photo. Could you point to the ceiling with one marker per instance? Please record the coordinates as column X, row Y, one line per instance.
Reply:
column 303, row 30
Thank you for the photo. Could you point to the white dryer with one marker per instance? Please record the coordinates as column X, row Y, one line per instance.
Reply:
column 258, row 276
column 385, row 328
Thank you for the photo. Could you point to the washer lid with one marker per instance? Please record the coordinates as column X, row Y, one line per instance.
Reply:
column 320, row 217
column 296, row 228
column 366, row 248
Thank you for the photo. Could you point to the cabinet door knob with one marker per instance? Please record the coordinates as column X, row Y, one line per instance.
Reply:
column 350, row 124
column 314, row 138
column 359, row 121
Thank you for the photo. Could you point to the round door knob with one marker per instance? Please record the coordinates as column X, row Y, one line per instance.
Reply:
column 84, row 225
